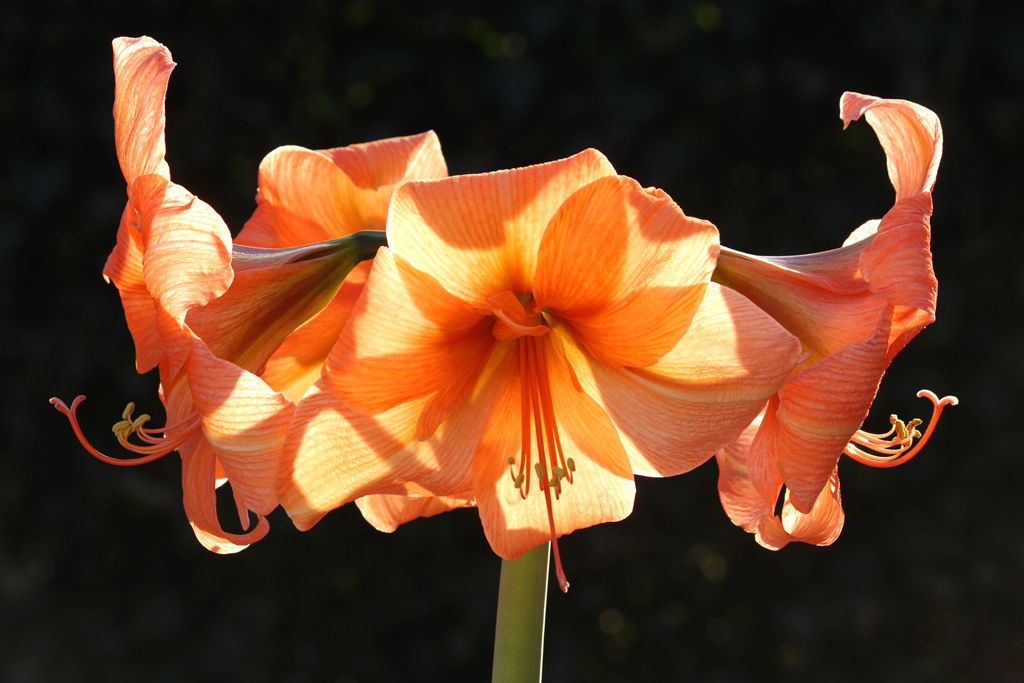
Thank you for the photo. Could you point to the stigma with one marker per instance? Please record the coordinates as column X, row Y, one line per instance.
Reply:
column 158, row 441
column 552, row 470
column 896, row 446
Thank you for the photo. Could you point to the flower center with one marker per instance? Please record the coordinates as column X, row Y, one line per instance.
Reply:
column 538, row 423
column 896, row 446
column 159, row 441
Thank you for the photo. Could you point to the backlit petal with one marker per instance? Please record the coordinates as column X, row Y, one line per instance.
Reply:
column 479, row 234
column 245, row 422
column 910, row 134
column 602, row 489
column 311, row 196
column 626, row 269
column 820, row 409
column 142, row 68
column 407, row 338
column 387, row 512
column 675, row 414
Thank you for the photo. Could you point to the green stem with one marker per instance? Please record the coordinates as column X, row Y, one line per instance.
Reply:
column 519, row 634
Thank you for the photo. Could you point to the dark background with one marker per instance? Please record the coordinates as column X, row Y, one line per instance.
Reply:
column 730, row 106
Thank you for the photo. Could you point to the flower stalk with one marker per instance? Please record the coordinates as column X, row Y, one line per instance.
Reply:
column 522, row 602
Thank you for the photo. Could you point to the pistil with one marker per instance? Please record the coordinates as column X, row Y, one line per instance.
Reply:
column 538, row 422
column 896, row 446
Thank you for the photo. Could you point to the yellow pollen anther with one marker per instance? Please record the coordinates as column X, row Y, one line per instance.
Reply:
column 896, row 446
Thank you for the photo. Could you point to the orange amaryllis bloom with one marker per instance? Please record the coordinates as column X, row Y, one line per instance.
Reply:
column 853, row 309
column 531, row 339
column 216, row 317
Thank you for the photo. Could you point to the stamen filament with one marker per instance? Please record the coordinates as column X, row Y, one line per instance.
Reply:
column 897, row 450
column 159, row 445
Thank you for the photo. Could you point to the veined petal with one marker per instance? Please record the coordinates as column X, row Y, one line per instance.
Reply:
column 898, row 266
column 821, row 407
column 298, row 362
column 264, row 306
column 408, row 338
column 124, row 269
column 311, row 196
column 244, row 421
column 675, row 414
column 602, row 488
column 626, row 269
column 142, row 68
column 744, row 504
column 387, row 512
column 910, row 135
column 821, row 298
column 186, row 256
column 335, row 455
column 198, row 474
column 479, row 234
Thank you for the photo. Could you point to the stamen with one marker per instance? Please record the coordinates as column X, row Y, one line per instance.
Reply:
column 896, row 450
column 160, row 443
column 545, row 425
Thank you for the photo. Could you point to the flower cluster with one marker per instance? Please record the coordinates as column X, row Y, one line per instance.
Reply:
column 524, row 341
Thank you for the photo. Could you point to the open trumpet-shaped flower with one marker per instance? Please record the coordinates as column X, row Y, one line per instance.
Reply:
column 530, row 340
column 233, row 326
column 853, row 309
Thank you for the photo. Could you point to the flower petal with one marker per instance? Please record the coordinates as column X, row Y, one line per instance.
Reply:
column 910, row 134
column 244, row 421
column 602, row 489
column 626, row 269
column 821, row 407
column 311, row 196
column 675, row 414
column 408, row 338
column 142, row 68
column 124, row 269
column 335, row 455
column 186, row 257
column 479, row 234
column 387, row 512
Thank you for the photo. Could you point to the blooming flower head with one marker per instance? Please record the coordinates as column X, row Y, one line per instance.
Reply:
column 530, row 340
column 853, row 309
column 237, row 331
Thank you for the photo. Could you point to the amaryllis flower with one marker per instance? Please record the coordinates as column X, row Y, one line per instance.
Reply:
column 530, row 340
column 231, row 327
column 853, row 309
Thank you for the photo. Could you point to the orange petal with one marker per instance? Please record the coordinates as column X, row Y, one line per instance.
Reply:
column 124, row 269
column 310, row 196
column 142, row 68
column 821, row 298
column 265, row 305
column 334, row 455
column 898, row 265
column 297, row 363
column 198, row 466
column 602, row 489
column 910, row 135
column 479, row 234
column 675, row 414
column 744, row 504
column 186, row 257
column 408, row 338
column 626, row 269
column 820, row 409
column 245, row 422
column 387, row 512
